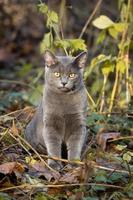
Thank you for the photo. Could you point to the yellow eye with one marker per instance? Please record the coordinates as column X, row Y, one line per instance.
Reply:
column 72, row 75
column 57, row 74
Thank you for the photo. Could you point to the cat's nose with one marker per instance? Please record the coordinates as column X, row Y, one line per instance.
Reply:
column 64, row 83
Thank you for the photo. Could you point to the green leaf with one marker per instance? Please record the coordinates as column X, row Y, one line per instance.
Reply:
column 101, row 37
column 131, row 153
column 107, row 68
column 46, row 42
column 113, row 32
column 90, row 198
column 115, row 177
column 40, row 196
column 99, row 188
column 103, row 22
column 77, row 44
column 62, row 44
column 43, row 8
column 71, row 44
column 120, row 147
column 52, row 18
column 127, row 157
column 101, row 178
column 25, row 70
column 121, row 66
column 120, row 27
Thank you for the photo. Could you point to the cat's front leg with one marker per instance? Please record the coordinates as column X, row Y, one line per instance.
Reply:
column 52, row 134
column 75, row 143
column 53, row 146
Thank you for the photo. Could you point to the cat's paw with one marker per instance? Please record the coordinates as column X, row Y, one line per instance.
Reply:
column 71, row 166
column 55, row 165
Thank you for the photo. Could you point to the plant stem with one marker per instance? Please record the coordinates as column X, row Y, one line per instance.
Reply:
column 90, row 98
column 103, row 94
column 122, row 54
column 127, row 79
column 90, row 18
column 113, row 91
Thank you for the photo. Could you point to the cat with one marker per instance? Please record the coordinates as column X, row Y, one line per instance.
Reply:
column 61, row 115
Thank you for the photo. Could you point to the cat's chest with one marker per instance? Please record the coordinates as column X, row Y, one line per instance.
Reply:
column 64, row 104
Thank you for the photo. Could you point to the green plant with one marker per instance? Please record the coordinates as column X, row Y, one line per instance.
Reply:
column 56, row 40
column 117, row 64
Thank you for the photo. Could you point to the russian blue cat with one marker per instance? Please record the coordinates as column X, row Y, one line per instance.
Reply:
column 61, row 115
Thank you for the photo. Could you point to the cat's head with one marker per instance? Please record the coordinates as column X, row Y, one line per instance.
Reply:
column 64, row 74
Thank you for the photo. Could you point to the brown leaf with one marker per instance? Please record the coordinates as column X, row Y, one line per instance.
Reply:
column 14, row 129
column 9, row 167
column 103, row 137
column 71, row 176
column 26, row 114
column 48, row 174
column 55, row 191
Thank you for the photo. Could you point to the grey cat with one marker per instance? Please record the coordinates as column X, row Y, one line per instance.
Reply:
column 61, row 116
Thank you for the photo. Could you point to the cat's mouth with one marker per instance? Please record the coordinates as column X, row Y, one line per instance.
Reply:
column 64, row 89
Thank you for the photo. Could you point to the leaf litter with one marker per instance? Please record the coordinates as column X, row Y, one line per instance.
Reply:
column 20, row 167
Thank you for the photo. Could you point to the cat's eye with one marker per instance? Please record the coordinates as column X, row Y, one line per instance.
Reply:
column 72, row 75
column 57, row 74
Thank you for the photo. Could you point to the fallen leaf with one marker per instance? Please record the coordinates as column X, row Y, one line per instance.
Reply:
column 103, row 137
column 71, row 176
column 55, row 191
column 44, row 171
column 9, row 167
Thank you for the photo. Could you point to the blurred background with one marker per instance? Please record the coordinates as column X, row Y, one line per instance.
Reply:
column 23, row 28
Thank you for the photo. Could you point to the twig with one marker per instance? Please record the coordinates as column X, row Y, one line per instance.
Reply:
column 38, row 155
column 91, row 100
column 121, row 138
column 6, row 131
column 111, row 170
column 13, row 112
column 90, row 18
column 67, row 161
column 19, row 143
column 92, row 163
column 60, row 186
column 62, row 17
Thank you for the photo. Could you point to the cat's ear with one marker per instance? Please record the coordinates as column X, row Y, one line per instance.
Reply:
column 49, row 58
column 81, row 59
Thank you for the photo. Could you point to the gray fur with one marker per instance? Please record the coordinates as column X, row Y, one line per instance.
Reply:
column 61, row 116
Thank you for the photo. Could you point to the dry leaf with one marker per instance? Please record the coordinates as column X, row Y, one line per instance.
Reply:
column 9, row 167
column 103, row 137
column 54, row 191
column 71, row 176
column 14, row 129
column 48, row 174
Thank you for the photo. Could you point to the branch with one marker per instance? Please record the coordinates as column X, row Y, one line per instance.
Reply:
column 90, row 18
